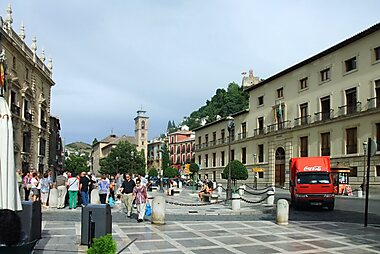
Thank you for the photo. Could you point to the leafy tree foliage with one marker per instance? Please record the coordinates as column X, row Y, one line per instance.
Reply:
column 238, row 171
column 94, row 141
column 165, row 157
column 194, row 168
column 223, row 103
column 171, row 172
column 152, row 172
column 124, row 158
column 76, row 163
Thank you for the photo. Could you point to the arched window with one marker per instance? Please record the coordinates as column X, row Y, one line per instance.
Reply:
column 142, row 124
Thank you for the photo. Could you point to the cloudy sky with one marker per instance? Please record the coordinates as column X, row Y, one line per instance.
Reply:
column 169, row 56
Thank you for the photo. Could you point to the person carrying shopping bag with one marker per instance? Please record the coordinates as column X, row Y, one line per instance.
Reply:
column 140, row 196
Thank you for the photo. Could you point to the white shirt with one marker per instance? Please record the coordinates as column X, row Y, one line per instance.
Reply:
column 35, row 183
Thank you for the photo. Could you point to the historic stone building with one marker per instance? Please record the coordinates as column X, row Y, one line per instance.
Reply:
column 328, row 104
column 102, row 148
column 181, row 148
column 29, row 83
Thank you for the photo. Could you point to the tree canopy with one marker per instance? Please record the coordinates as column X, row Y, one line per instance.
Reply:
column 152, row 172
column 194, row 168
column 124, row 158
column 223, row 103
column 171, row 172
column 238, row 171
column 76, row 163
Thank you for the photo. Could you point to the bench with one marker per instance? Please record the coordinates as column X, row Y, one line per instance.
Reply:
column 211, row 198
column 177, row 191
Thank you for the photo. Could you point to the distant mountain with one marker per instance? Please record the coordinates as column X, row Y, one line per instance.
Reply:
column 79, row 148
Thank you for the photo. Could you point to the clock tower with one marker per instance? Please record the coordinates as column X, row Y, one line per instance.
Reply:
column 141, row 132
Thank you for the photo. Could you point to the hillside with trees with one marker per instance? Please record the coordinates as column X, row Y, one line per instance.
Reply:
column 222, row 104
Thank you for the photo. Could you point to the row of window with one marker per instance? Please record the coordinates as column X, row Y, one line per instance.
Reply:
column 351, row 147
column 324, row 75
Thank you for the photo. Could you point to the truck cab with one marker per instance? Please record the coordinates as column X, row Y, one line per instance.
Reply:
column 311, row 182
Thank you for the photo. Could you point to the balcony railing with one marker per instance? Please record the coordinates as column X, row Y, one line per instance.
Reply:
column 259, row 131
column 350, row 109
column 323, row 116
column 242, row 135
column 44, row 124
column 373, row 103
column 278, row 126
column 221, row 141
column 350, row 149
column 15, row 109
column 303, row 120
column 28, row 116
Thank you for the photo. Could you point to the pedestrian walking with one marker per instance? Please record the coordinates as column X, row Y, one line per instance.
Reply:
column 35, row 187
column 45, row 187
column 62, row 190
column 140, row 196
column 84, row 188
column 127, row 190
column 27, row 185
column 103, row 189
column 73, row 188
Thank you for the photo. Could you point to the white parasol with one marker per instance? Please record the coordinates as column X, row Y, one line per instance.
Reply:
column 9, row 193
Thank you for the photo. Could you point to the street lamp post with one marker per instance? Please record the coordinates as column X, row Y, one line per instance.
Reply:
column 230, row 126
column 117, row 164
column 364, row 169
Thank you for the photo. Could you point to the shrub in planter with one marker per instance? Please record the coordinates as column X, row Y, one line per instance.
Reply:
column 103, row 245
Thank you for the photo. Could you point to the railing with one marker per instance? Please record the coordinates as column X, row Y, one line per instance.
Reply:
column 242, row 135
column 350, row 149
column 303, row 120
column 324, row 115
column 213, row 143
column 350, row 109
column 221, row 141
column 278, row 126
column 44, row 124
column 259, row 131
column 15, row 109
column 28, row 116
column 373, row 103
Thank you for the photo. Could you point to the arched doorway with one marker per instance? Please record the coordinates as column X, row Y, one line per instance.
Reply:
column 280, row 167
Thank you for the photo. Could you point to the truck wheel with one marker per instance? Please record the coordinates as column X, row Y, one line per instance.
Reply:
column 331, row 207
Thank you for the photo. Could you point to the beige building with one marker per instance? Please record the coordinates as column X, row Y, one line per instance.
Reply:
column 328, row 104
column 102, row 148
column 28, row 95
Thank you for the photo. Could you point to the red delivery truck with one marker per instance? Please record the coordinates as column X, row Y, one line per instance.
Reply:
column 311, row 182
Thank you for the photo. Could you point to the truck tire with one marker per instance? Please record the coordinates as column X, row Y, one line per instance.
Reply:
column 331, row 207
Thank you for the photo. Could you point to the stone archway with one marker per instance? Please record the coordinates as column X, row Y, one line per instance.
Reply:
column 280, row 167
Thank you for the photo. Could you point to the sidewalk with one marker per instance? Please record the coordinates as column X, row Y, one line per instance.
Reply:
column 251, row 234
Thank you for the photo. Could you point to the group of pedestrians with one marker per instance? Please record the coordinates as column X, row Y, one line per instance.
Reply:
column 34, row 186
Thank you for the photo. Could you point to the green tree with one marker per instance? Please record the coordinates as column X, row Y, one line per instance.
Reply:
column 94, row 141
column 194, row 168
column 238, row 171
column 170, row 172
column 76, row 163
column 152, row 172
column 124, row 158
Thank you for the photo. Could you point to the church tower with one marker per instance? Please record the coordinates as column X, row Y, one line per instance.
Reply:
column 141, row 132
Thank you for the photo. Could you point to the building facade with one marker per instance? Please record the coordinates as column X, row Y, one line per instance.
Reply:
column 102, row 148
column 181, row 148
column 29, row 83
column 328, row 104
column 56, row 152
column 155, row 149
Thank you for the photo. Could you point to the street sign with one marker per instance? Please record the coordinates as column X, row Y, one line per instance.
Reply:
column 256, row 170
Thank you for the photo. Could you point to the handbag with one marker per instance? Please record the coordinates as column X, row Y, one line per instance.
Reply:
column 111, row 202
column 148, row 210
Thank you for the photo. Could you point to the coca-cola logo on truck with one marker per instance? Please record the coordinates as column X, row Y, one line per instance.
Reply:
column 312, row 168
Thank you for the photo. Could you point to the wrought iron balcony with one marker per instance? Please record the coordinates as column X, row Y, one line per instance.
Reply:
column 15, row 109
column 221, row 141
column 373, row 103
column 303, row 120
column 259, row 131
column 28, row 116
column 278, row 126
column 242, row 135
column 323, row 116
column 350, row 109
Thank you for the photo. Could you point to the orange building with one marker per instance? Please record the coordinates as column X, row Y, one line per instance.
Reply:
column 181, row 148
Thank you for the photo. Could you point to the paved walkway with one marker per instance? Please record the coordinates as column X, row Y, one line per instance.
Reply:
column 62, row 229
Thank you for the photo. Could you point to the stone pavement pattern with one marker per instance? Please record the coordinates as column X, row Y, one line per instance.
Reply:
column 221, row 237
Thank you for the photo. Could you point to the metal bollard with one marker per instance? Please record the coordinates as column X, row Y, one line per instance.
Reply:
column 235, row 201
column 282, row 212
column 360, row 193
column 95, row 197
column 158, row 210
